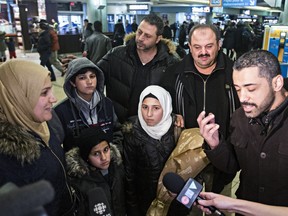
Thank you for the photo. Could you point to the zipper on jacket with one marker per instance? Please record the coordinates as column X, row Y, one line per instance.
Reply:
column 204, row 88
column 90, row 116
column 64, row 172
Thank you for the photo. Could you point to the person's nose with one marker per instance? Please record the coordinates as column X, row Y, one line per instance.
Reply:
column 53, row 99
column 103, row 156
column 141, row 37
column 149, row 112
column 89, row 80
column 203, row 50
column 242, row 94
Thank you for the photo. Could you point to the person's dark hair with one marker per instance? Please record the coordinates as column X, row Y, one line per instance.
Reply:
column 150, row 95
column 43, row 25
column 43, row 21
column 82, row 71
column 86, row 20
column 89, row 27
column 266, row 62
column 203, row 26
column 153, row 19
column 98, row 26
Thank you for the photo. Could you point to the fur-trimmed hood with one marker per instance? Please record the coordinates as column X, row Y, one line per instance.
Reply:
column 17, row 142
column 77, row 167
column 171, row 46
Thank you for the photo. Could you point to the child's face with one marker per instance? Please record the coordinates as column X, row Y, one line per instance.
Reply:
column 152, row 111
column 85, row 84
column 99, row 156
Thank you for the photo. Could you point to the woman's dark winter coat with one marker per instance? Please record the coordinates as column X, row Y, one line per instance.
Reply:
column 26, row 159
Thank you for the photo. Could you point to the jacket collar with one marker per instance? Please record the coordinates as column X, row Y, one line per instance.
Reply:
column 16, row 142
column 190, row 66
column 265, row 119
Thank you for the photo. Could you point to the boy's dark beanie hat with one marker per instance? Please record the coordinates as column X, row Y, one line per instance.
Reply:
column 89, row 138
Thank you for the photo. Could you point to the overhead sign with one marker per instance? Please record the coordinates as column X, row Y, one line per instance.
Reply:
column 215, row 3
column 200, row 9
column 137, row 7
column 231, row 3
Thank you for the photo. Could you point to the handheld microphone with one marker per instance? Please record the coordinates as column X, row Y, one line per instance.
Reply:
column 98, row 203
column 27, row 200
column 187, row 192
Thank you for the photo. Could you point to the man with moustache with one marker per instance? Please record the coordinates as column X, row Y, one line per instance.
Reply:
column 258, row 139
column 203, row 81
column 128, row 69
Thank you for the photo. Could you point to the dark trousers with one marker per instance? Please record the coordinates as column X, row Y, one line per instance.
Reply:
column 44, row 61
column 12, row 54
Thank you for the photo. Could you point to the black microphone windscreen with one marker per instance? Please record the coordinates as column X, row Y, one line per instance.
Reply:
column 98, row 203
column 187, row 192
column 22, row 201
column 173, row 182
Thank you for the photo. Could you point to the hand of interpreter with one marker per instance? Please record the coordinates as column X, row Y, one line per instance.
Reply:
column 209, row 129
column 221, row 202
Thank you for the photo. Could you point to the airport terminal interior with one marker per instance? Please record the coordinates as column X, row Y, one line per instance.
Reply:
column 20, row 19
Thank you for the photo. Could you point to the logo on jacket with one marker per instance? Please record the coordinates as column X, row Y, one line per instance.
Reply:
column 100, row 209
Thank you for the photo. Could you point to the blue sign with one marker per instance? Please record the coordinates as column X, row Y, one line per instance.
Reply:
column 215, row 3
column 231, row 3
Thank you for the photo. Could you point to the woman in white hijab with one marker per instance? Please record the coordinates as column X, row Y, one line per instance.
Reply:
column 147, row 146
column 30, row 148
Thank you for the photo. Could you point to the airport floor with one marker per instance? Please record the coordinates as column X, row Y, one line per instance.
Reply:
column 229, row 190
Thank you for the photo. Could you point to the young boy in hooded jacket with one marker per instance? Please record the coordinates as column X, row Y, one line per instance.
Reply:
column 86, row 106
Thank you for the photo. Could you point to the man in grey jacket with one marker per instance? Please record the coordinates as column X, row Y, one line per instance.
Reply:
column 97, row 45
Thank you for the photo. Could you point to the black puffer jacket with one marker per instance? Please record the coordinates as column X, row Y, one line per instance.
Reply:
column 85, row 178
column 119, row 66
column 144, row 159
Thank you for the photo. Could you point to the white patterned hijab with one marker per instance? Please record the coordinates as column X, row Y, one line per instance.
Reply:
column 158, row 130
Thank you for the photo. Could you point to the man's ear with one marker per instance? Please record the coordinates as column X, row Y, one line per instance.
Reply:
column 220, row 43
column 278, row 83
column 159, row 37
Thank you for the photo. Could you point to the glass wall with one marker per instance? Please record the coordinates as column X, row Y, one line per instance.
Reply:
column 70, row 24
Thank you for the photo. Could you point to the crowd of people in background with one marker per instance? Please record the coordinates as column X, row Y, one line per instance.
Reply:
column 237, row 37
column 105, row 146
